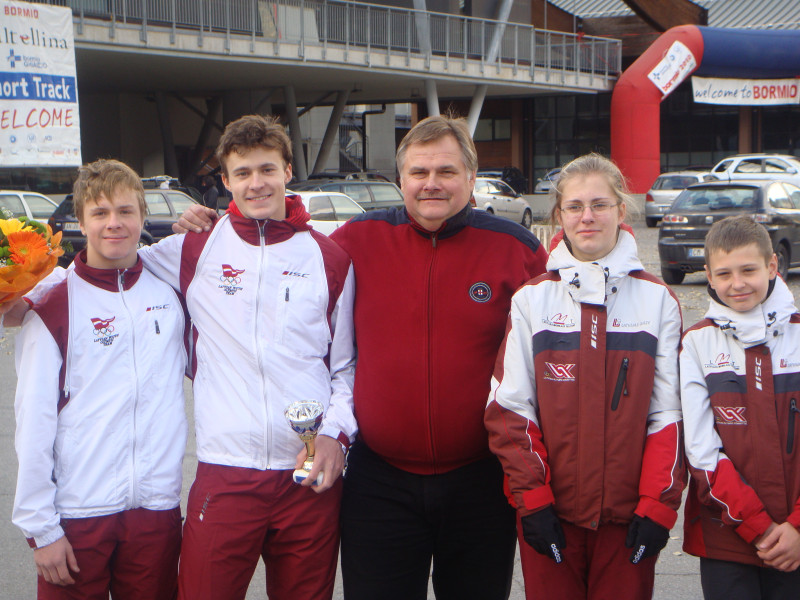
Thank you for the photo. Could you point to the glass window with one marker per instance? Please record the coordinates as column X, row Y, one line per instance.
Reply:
column 773, row 165
column 359, row 193
column 722, row 166
column 320, row 209
column 749, row 165
column 345, row 208
column 157, row 205
column 778, row 198
column 504, row 188
column 794, row 194
column 483, row 130
column 13, row 203
column 482, row 187
column 40, row 207
column 180, row 202
column 711, row 199
column 386, row 193
column 502, row 129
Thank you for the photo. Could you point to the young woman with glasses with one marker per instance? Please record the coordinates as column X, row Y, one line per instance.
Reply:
column 584, row 411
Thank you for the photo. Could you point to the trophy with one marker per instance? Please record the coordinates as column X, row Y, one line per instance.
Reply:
column 305, row 418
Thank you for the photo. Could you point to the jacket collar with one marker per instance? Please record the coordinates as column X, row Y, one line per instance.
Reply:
column 761, row 323
column 274, row 232
column 593, row 282
column 107, row 279
column 449, row 228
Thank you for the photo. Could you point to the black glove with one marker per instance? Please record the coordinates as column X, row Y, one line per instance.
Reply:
column 542, row 530
column 646, row 537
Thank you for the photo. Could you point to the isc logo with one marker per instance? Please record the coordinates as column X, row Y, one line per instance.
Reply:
column 594, row 331
column 758, row 373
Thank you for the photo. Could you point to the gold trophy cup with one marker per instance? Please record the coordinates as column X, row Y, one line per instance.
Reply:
column 305, row 418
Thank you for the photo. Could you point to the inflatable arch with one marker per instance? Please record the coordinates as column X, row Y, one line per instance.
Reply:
column 733, row 53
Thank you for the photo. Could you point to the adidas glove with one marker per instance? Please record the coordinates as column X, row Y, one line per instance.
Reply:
column 646, row 537
column 542, row 530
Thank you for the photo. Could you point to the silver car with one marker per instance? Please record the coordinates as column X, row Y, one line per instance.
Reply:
column 497, row 197
column 758, row 166
column 544, row 184
column 665, row 189
column 329, row 210
column 26, row 204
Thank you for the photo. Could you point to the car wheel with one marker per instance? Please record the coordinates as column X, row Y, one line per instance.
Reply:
column 782, row 252
column 527, row 219
column 490, row 210
column 651, row 221
column 672, row 276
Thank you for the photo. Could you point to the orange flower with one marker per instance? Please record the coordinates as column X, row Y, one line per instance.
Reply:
column 26, row 247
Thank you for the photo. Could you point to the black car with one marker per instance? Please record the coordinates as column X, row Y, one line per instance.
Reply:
column 681, row 239
column 163, row 209
column 369, row 194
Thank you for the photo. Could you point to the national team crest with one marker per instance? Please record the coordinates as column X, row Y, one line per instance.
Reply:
column 230, row 279
column 104, row 330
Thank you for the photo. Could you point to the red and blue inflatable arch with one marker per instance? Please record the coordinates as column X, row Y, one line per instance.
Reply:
column 725, row 53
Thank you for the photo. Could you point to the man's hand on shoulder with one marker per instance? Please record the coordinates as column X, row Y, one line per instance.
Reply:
column 55, row 561
column 328, row 459
column 14, row 312
column 197, row 218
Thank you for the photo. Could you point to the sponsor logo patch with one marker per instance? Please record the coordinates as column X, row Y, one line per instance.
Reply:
column 628, row 324
column 559, row 320
column 103, row 330
column 480, row 292
column 158, row 307
column 721, row 361
column 559, row 372
column 788, row 364
column 295, row 274
column 730, row 415
column 230, row 279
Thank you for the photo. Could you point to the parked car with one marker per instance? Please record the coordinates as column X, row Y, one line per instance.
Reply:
column 172, row 183
column 544, row 184
column 758, row 166
column 681, row 239
column 26, row 204
column 357, row 175
column 511, row 175
column 497, row 197
column 329, row 210
column 665, row 189
column 163, row 209
column 369, row 194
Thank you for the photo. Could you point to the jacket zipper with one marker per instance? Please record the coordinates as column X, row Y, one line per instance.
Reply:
column 790, row 438
column 431, row 433
column 264, row 399
column 621, row 377
column 121, row 286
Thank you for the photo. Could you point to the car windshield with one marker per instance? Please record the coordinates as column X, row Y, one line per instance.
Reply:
column 719, row 198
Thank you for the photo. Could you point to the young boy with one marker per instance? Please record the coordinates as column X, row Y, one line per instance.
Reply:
column 101, row 429
column 271, row 306
column 740, row 391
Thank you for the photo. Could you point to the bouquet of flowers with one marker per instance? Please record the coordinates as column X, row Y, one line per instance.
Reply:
column 28, row 253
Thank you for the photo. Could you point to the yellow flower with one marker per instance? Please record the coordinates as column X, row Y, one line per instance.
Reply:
column 12, row 226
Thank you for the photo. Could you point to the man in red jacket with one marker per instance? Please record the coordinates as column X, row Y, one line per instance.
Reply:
column 434, row 281
column 433, row 289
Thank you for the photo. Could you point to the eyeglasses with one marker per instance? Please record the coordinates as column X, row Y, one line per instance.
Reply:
column 576, row 209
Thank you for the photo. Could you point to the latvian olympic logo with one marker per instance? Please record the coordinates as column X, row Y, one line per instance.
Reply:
column 103, row 326
column 480, row 292
column 230, row 276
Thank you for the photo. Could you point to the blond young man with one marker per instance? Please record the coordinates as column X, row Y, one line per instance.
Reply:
column 101, row 430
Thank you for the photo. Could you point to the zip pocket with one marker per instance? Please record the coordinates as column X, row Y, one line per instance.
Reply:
column 623, row 375
column 790, row 438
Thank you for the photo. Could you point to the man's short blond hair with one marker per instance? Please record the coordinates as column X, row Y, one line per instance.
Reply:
column 435, row 128
column 105, row 177
column 253, row 131
column 735, row 232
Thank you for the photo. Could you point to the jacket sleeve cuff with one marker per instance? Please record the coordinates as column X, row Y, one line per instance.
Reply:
column 339, row 436
column 794, row 519
column 538, row 498
column 656, row 512
column 754, row 527
column 45, row 540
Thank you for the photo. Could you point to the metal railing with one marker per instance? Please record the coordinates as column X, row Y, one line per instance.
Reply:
column 357, row 25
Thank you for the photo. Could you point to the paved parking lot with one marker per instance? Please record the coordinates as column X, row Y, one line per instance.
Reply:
column 676, row 573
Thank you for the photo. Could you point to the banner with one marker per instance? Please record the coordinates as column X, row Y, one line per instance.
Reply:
column 746, row 92
column 39, row 121
column 676, row 66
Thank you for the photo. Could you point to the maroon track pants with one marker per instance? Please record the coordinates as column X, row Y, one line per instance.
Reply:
column 595, row 567
column 236, row 515
column 133, row 554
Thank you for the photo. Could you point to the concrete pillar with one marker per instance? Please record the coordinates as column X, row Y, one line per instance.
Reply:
column 170, row 158
column 300, row 169
column 432, row 97
column 475, row 107
column 331, row 131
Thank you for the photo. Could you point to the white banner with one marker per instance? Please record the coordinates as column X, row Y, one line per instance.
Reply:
column 676, row 66
column 746, row 92
column 39, row 121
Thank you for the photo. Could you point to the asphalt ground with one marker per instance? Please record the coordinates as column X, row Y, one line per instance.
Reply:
column 677, row 574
